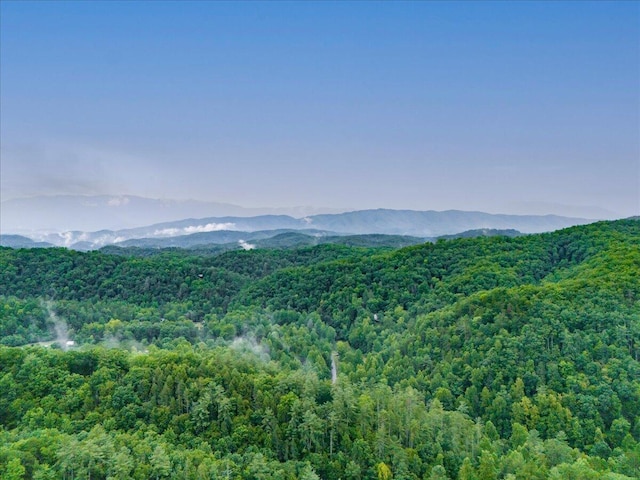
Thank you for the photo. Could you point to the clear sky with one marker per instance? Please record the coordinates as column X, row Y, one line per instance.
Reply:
column 512, row 107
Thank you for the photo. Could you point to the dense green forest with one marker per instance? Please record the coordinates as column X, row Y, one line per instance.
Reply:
column 472, row 358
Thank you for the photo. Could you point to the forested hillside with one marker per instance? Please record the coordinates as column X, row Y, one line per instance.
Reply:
column 472, row 358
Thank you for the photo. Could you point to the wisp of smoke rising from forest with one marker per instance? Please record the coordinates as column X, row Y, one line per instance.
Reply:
column 334, row 368
column 250, row 344
column 245, row 245
column 59, row 326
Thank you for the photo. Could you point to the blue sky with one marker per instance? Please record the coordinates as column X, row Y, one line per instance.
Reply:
column 512, row 107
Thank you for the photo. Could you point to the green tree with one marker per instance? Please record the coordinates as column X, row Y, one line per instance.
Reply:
column 122, row 465
column 487, row 469
column 14, row 470
column 384, row 472
column 160, row 463
column 467, row 471
column 438, row 472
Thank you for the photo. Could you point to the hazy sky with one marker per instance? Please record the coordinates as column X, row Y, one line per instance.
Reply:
column 513, row 107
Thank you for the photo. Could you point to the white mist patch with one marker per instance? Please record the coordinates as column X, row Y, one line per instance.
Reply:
column 209, row 227
column 68, row 238
column 102, row 240
column 60, row 327
column 246, row 245
column 115, row 342
column 111, row 341
column 117, row 201
column 250, row 344
column 167, row 232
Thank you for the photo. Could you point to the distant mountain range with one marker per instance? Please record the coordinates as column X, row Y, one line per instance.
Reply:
column 19, row 241
column 62, row 213
column 217, row 242
column 246, row 231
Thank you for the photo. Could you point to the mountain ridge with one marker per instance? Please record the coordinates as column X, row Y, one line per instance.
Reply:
column 423, row 224
column 119, row 212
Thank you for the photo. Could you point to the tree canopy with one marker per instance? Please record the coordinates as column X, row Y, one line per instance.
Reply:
column 471, row 358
